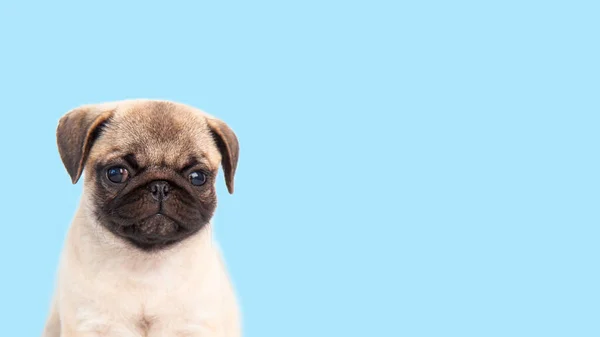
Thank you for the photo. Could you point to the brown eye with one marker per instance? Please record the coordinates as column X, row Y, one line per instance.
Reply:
column 117, row 175
column 198, row 178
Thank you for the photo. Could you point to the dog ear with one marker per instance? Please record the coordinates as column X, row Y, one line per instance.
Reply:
column 229, row 147
column 76, row 132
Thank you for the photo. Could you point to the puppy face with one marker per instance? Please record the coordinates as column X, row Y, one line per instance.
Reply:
column 150, row 167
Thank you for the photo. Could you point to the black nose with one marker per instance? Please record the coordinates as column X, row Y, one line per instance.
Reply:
column 159, row 190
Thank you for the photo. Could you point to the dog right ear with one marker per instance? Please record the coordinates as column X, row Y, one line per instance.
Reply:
column 76, row 132
column 229, row 147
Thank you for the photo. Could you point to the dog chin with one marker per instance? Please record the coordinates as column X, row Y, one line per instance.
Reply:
column 154, row 232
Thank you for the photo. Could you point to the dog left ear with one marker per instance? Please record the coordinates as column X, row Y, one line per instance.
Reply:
column 229, row 147
column 76, row 132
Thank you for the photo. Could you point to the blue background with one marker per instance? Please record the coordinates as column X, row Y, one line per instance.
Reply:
column 421, row 168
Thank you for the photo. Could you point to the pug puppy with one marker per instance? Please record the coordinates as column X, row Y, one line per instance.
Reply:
column 139, row 258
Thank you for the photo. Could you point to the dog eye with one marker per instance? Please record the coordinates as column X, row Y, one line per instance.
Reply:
column 117, row 174
column 198, row 178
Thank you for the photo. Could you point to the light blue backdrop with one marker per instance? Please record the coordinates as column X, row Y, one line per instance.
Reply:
column 416, row 168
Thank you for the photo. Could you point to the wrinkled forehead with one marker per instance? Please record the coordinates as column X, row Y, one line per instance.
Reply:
column 158, row 133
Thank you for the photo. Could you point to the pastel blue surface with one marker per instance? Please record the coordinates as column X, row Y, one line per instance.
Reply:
column 421, row 168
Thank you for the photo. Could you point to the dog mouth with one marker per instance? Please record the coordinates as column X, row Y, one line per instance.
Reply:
column 153, row 231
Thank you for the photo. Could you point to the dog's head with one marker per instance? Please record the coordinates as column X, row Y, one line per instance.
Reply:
column 150, row 166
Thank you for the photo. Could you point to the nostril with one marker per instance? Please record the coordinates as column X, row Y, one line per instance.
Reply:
column 159, row 190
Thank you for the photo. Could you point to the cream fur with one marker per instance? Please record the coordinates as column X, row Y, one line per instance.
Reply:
column 107, row 288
